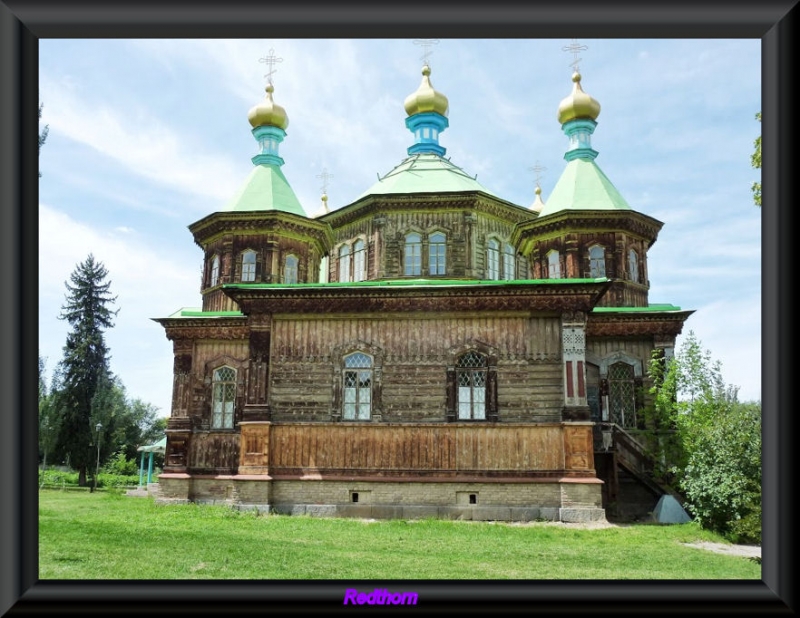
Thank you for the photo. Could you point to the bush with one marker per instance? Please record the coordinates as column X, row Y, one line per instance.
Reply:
column 119, row 464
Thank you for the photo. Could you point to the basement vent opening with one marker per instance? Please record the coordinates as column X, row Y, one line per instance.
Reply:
column 354, row 496
column 473, row 498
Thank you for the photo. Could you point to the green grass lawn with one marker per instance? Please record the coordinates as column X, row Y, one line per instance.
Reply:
column 107, row 535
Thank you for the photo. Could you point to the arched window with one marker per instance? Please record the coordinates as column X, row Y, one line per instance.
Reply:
column 359, row 260
column 622, row 394
column 223, row 397
column 633, row 266
column 493, row 260
column 357, row 387
column 508, row 262
column 214, row 270
column 597, row 261
column 344, row 263
column 249, row 265
column 471, row 370
column 290, row 269
column 554, row 265
column 412, row 257
column 437, row 253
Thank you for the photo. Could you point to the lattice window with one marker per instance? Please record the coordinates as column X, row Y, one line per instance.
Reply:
column 223, row 397
column 215, row 270
column 574, row 340
column 412, row 257
column 357, row 387
column 493, row 260
column 508, row 262
column 471, row 370
column 359, row 261
column 622, row 395
column 597, row 261
column 290, row 269
column 436, row 253
column 249, row 265
column 344, row 263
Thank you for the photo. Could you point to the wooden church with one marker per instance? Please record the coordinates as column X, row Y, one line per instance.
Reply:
column 428, row 350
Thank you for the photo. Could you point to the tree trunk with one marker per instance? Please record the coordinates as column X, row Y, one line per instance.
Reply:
column 82, row 476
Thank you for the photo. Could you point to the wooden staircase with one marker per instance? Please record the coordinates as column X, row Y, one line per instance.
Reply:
column 624, row 458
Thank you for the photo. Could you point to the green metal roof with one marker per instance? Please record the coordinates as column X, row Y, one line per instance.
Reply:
column 583, row 186
column 266, row 188
column 412, row 283
column 425, row 173
column 197, row 312
column 649, row 309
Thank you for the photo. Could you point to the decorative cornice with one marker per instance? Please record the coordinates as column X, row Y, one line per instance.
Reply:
column 204, row 328
column 576, row 221
column 545, row 297
column 377, row 204
column 636, row 324
column 216, row 224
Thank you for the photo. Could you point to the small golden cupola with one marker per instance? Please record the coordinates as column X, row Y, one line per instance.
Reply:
column 427, row 117
column 426, row 99
column 268, row 113
column 578, row 104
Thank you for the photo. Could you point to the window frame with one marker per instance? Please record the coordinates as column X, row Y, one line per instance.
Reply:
column 228, row 417
column 437, row 261
column 359, row 254
column 214, row 273
column 633, row 266
column 597, row 265
column 493, row 259
column 287, row 270
column 251, row 272
column 509, row 259
column 553, row 253
column 412, row 260
column 362, row 395
column 344, row 264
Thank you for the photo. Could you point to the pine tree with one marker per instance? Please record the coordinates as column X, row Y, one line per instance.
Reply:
column 85, row 366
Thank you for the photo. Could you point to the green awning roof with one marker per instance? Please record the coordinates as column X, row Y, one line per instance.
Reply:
column 158, row 447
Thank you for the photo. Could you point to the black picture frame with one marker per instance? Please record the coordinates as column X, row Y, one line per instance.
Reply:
column 23, row 22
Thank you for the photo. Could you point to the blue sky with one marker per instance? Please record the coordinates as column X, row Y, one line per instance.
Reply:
column 150, row 135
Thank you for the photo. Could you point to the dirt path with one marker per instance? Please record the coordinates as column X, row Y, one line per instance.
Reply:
column 746, row 551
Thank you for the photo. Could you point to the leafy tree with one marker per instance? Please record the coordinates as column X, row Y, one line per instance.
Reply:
column 715, row 454
column 44, row 132
column 85, row 366
column 755, row 161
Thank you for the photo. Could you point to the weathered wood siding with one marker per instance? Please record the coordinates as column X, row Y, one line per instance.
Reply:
column 442, row 449
column 416, row 352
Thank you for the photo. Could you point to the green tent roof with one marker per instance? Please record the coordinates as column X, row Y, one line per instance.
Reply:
column 425, row 173
column 583, row 186
column 266, row 188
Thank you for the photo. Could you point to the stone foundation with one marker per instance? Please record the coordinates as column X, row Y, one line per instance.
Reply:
column 568, row 500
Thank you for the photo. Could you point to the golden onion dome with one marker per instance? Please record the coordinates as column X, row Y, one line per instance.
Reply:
column 426, row 99
column 578, row 104
column 268, row 113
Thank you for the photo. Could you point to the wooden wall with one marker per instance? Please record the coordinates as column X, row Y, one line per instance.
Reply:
column 415, row 354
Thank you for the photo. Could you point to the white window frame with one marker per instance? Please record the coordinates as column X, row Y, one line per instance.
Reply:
column 493, row 259
column 359, row 260
column 471, row 398
column 437, row 253
column 633, row 265
column 214, row 271
column 358, row 375
column 344, row 263
column 412, row 255
column 509, row 262
column 553, row 264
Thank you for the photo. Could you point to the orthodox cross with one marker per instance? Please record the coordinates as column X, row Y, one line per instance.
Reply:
column 324, row 176
column 271, row 60
column 574, row 48
column 427, row 44
column 537, row 170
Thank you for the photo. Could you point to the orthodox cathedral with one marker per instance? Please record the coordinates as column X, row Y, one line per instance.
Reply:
column 428, row 350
